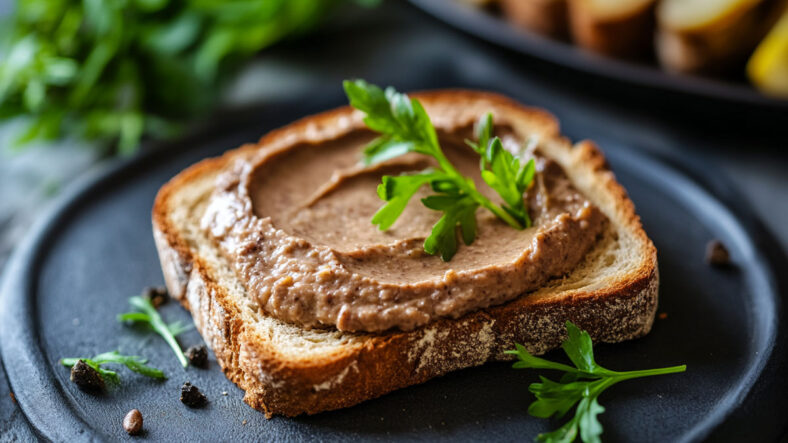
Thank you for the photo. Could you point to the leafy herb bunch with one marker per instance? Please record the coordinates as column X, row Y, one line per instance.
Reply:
column 116, row 70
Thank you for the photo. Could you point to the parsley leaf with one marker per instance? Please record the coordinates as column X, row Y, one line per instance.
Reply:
column 457, row 209
column 508, row 179
column 403, row 123
column 483, row 131
column 133, row 362
column 397, row 191
column 581, row 385
column 148, row 314
column 405, row 127
column 501, row 170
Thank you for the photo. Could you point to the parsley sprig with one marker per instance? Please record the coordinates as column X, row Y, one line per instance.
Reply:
column 147, row 314
column 580, row 385
column 405, row 127
column 133, row 362
column 502, row 171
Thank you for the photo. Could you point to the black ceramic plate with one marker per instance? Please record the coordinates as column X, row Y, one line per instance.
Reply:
column 496, row 30
column 76, row 270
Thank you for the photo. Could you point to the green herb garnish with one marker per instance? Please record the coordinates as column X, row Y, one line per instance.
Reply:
column 580, row 385
column 405, row 127
column 502, row 171
column 149, row 315
column 133, row 362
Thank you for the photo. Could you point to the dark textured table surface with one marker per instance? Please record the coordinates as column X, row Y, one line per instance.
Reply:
column 396, row 44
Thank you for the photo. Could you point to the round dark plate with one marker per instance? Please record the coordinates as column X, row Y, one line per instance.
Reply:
column 496, row 30
column 74, row 273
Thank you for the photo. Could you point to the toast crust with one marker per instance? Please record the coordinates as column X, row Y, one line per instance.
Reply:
column 374, row 364
column 627, row 35
column 546, row 17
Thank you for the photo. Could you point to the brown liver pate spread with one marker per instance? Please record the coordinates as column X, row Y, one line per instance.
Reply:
column 295, row 225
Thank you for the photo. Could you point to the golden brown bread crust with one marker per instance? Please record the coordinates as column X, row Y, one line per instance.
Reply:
column 627, row 36
column 385, row 362
column 546, row 17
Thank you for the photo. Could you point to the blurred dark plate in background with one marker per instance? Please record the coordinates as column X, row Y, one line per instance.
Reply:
column 495, row 29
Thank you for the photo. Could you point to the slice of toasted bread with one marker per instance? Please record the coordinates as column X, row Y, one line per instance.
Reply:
column 546, row 17
column 711, row 36
column 618, row 28
column 286, row 369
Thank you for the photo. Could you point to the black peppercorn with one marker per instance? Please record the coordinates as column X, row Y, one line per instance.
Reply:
column 198, row 356
column 86, row 377
column 192, row 397
column 156, row 295
column 717, row 254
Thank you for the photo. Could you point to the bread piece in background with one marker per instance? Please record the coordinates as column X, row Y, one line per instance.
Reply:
column 546, row 17
column 711, row 36
column 619, row 28
column 768, row 66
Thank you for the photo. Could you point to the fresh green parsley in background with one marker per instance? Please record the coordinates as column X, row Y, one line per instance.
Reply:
column 405, row 127
column 118, row 70
column 580, row 385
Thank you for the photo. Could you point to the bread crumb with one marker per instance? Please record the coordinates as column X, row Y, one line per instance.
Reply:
column 663, row 315
column 224, row 393
column 243, row 422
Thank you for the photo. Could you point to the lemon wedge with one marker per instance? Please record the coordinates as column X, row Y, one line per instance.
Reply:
column 768, row 66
